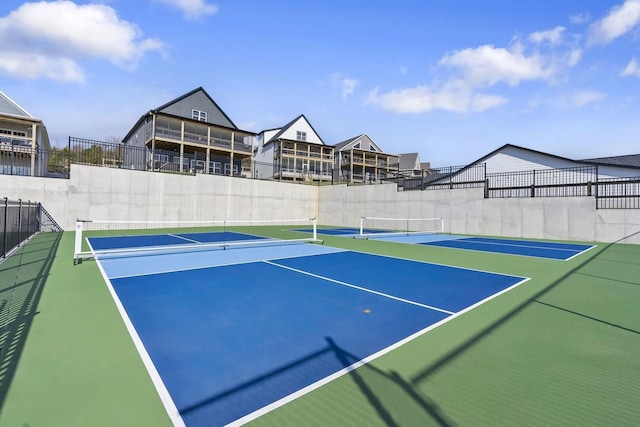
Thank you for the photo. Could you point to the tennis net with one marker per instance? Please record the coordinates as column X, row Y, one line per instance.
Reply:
column 380, row 227
column 105, row 238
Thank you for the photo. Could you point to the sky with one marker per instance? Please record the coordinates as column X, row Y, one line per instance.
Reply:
column 452, row 80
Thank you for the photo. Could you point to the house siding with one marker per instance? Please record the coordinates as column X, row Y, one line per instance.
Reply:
column 198, row 101
column 511, row 160
column 303, row 126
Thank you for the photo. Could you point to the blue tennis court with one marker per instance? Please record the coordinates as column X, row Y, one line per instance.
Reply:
column 550, row 250
column 229, row 335
column 158, row 240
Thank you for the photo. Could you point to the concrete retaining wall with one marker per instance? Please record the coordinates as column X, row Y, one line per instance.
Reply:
column 120, row 194
column 466, row 211
column 117, row 194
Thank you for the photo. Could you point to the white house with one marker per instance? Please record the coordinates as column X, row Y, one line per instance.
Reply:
column 24, row 141
column 294, row 152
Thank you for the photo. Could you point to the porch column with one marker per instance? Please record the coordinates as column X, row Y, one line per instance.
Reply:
column 153, row 142
column 181, row 157
column 231, row 154
column 33, row 148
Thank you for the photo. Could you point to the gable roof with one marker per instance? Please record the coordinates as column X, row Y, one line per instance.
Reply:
column 10, row 108
column 340, row 145
column 288, row 126
column 408, row 161
column 598, row 162
column 632, row 160
column 218, row 117
column 506, row 146
column 360, row 138
column 439, row 176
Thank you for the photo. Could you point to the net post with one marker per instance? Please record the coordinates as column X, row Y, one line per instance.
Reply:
column 224, row 234
column 362, row 226
column 78, row 241
column 314, row 221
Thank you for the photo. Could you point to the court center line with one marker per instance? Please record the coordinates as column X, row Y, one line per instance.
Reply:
column 184, row 238
column 359, row 287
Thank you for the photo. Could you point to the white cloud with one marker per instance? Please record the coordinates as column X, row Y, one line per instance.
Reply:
column 574, row 56
column 620, row 20
column 580, row 18
column 583, row 98
column 34, row 42
column 632, row 69
column 475, row 70
column 488, row 65
column 553, row 37
column 192, row 9
column 33, row 66
column 348, row 86
column 453, row 97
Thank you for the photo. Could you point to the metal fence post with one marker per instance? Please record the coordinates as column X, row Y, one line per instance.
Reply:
column 596, row 190
column 4, row 226
column 533, row 184
column 19, row 220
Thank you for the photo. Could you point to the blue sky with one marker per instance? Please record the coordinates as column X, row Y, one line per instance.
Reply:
column 450, row 79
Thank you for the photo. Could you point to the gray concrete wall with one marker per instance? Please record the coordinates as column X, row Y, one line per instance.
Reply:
column 117, row 194
column 466, row 211
column 120, row 194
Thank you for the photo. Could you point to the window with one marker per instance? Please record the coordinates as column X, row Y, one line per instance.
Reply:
column 372, row 148
column 201, row 116
column 197, row 164
column 301, row 136
column 160, row 157
column 216, row 167
column 227, row 168
column 14, row 132
column 357, row 145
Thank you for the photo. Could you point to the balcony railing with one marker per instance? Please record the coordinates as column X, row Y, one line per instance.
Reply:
column 610, row 193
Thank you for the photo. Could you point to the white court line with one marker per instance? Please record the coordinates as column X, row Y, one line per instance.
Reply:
column 580, row 253
column 184, row 238
column 523, row 245
column 156, row 379
column 480, row 249
column 317, row 276
column 311, row 387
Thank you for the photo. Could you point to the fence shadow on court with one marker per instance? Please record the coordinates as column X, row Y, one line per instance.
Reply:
column 381, row 390
column 612, row 252
column 23, row 277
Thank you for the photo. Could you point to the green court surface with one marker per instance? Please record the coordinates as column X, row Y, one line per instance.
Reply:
column 561, row 349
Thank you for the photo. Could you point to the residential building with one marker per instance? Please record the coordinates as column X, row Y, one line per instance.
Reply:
column 191, row 134
column 410, row 165
column 24, row 141
column 361, row 160
column 517, row 171
column 294, row 152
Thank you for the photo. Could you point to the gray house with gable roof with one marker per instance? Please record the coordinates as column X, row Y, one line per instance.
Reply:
column 190, row 134
column 361, row 160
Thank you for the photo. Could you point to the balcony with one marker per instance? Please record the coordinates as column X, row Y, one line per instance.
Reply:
column 195, row 138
